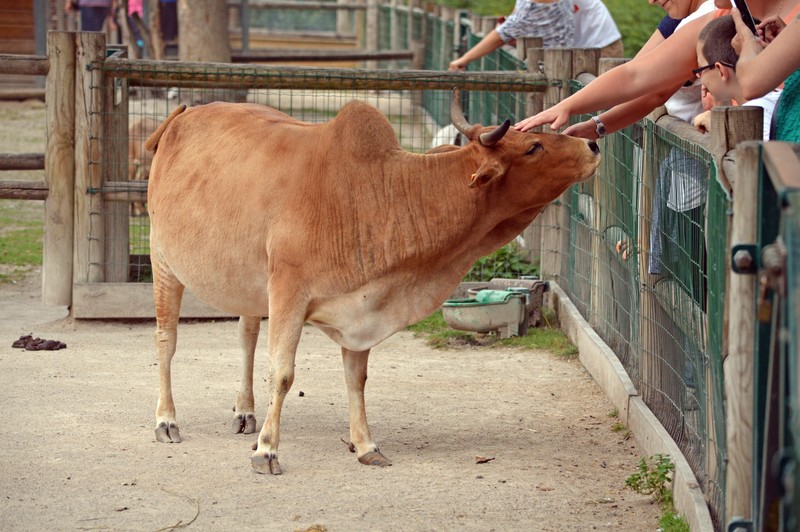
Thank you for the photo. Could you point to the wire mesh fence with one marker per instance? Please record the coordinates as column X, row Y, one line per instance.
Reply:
column 644, row 263
column 146, row 92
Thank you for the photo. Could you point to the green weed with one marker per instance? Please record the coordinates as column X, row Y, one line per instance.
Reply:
column 654, row 477
column 508, row 262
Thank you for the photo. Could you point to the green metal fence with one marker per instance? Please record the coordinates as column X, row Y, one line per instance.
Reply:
column 644, row 263
column 776, row 445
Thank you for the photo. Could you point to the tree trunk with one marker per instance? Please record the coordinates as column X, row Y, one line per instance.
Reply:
column 203, row 31
column 155, row 41
column 203, row 37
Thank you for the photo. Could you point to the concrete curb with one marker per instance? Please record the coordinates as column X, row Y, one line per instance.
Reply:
column 605, row 368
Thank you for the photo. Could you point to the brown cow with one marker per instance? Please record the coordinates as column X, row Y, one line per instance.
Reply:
column 332, row 224
column 139, row 159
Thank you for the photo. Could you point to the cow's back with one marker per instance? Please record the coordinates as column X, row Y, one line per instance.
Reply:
column 233, row 184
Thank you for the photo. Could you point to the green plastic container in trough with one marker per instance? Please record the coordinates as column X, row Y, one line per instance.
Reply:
column 503, row 311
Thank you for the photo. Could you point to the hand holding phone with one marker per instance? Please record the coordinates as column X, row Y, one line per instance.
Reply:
column 747, row 18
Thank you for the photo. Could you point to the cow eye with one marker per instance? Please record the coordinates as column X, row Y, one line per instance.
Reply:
column 533, row 149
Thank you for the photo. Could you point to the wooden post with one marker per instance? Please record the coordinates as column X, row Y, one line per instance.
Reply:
column 605, row 268
column 585, row 61
column 88, row 257
column 650, row 335
column 729, row 127
column 115, row 213
column 394, row 31
column 534, row 58
column 487, row 25
column 456, row 14
column 412, row 5
column 344, row 20
column 59, row 170
column 533, row 52
column 446, row 45
column 555, row 217
column 738, row 366
column 372, row 31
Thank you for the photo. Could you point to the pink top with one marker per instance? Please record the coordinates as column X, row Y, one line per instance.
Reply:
column 135, row 6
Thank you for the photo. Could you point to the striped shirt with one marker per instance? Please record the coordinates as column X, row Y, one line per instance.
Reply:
column 552, row 22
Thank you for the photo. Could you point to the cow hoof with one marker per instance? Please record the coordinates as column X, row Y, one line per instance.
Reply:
column 266, row 464
column 244, row 424
column 375, row 458
column 168, row 433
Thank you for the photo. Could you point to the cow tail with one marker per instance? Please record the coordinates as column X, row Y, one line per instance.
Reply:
column 152, row 142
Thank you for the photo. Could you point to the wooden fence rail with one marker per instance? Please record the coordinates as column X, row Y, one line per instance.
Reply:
column 216, row 75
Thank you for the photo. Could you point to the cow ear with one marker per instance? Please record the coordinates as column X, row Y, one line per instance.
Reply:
column 486, row 173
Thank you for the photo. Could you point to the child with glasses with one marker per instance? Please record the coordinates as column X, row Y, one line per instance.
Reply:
column 717, row 72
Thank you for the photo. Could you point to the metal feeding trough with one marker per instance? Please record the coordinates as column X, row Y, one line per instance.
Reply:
column 504, row 311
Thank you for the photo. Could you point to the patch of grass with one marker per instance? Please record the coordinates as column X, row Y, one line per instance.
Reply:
column 20, row 246
column 23, row 246
column 614, row 413
column 673, row 522
column 620, row 428
column 546, row 338
column 139, row 234
column 438, row 334
column 433, row 324
column 654, row 477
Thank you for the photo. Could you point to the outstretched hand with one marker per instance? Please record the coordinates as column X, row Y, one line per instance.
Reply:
column 744, row 37
column 585, row 130
column 552, row 116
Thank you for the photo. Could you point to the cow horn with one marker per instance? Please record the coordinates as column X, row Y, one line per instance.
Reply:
column 491, row 138
column 457, row 114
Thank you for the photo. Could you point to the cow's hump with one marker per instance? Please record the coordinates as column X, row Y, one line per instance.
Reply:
column 362, row 129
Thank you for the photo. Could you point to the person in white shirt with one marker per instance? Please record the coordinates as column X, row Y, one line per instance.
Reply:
column 595, row 28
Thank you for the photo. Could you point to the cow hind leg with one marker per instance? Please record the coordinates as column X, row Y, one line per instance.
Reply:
column 244, row 419
column 355, row 374
column 284, row 335
column 168, row 292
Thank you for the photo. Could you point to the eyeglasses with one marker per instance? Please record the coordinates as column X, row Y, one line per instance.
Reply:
column 699, row 70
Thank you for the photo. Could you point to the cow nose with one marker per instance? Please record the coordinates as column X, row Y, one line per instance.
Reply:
column 593, row 146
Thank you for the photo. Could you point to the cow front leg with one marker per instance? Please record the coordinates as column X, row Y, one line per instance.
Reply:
column 284, row 335
column 167, row 291
column 355, row 374
column 244, row 419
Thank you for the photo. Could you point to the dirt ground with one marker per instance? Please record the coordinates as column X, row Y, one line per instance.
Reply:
column 79, row 453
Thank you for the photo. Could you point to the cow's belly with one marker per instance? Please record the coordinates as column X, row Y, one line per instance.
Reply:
column 358, row 332
column 238, row 298
column 361, row 319
column 232, row 283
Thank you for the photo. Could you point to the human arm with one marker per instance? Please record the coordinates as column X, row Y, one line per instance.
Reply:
column 624, row 114
column 488, row 44
column 669, row 64
column 702, row 122
column 621, row 116
column 759, row 71
column 769, row 28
